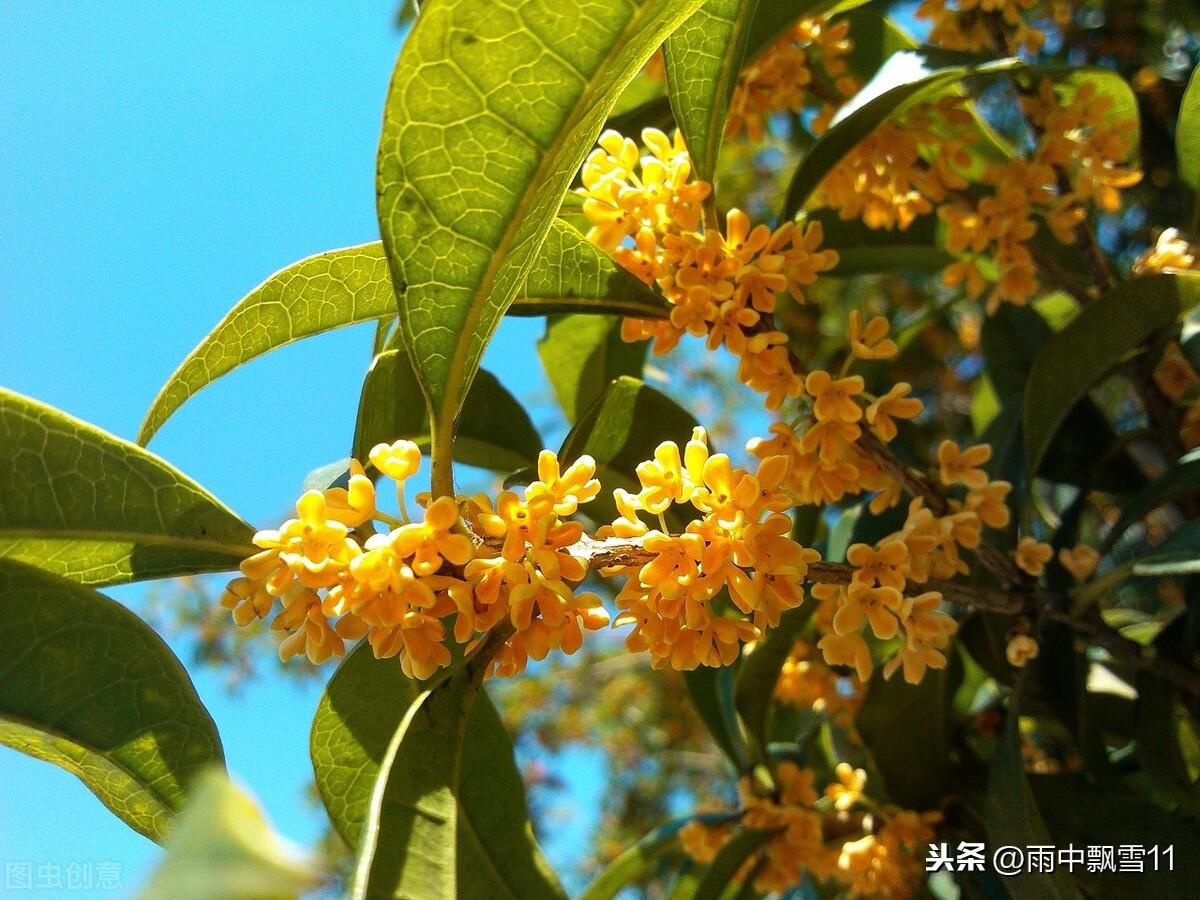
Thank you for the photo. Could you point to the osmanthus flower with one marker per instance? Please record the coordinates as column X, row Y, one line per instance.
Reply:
column 957, row 466
column 1032, row 555
column 883, row 411
column 1020, row 650
column 962, row 24
column 1175, row 376
column 880, row 858
column 870, row 341
column 735, row 540
column 778, row 79
column 1172, row 252
column 467, row 565
column 1080, row 561
column 807, row 683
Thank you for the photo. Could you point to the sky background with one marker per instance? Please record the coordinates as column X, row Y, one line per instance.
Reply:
column 157, row 161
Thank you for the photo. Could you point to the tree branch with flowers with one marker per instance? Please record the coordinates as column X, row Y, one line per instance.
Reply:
column 953, row 576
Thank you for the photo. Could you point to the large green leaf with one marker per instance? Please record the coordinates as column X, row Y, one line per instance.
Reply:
column 1187, row 143
column 703, row 60
column 581, row 355
column 491, row 111
column 345, row 287
column 907, row 78
column 917, row 768
column 1077, row 358
column 622, row 429
column 448, row 815
column 571, row 274
column 84, row 504
column 635, row 861
column 1012, row 817
column 710, row 688
column 223, row 848
column 725, row 865
column 87, row 685
column 754, row 690
column 496, row 432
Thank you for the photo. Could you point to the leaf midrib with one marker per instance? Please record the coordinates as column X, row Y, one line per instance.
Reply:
column 444, row 427
column 153, row 539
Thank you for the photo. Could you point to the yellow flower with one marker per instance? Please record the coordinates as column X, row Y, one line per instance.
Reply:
column 1031, row 556
column 848, row 789
column 1080, row 561
column 433, row 541
column 847, row 650
column 962, row 466
column 397, row 461
column 834, row 400
column 568, row 489
column 875, row 604
column 895, row 404
column 354, row 504
column 872, row 341
column 988, row 503
column 1020, row 650
column 884, row 567
column 662, row 478
column 1170, row 253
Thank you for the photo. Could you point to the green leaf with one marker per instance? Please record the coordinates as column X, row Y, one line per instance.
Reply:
column 726, row 864
column 314, row 295
column 906, row 78
column 863, row 250
column 754, row 690
column 1180, row 480
column 1187, row 143
column 571, row 274
column 1012, row 817
column 436, row 746
column 223, row 848
column 491, row 111
column 622, row 429
column 1158, row 748
column 916, row 767
column 632, row 864
column 87, row 685
column 711, row 691
column 582, row 354
column 703, row 60
column 496, row 432
column 345, row 287
column 99, row 510
column 1078, row 357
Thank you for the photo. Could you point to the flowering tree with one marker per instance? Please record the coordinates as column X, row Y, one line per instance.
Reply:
column 946, row 598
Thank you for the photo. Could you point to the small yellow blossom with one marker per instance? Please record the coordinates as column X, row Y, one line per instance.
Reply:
column 1020, row 650
column 1031, row 556
column 1080, row 561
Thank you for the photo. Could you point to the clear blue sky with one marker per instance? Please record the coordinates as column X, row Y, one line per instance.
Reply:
column 156, row 162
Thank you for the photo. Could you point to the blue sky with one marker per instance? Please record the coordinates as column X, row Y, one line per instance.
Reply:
column 156, row 162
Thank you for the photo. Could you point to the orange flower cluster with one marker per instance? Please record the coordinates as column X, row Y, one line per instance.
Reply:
column 904, row 167
column 826, row 461
column 886, row 863
column 1077, row 161
column 807, row 683
column 785, row 78
column 1177, row 379
column 399, row 588
column 646, row 212
column 738, row 542
column 926, row 546
column 963, row 25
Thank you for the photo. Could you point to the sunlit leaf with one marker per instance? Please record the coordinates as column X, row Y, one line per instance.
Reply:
column 1187, row 143
column 448, row 775
column 94, row 508
column 704, row 58
column 711, row 691
column 87, row 685
column 345, row 287
column 490, row 113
